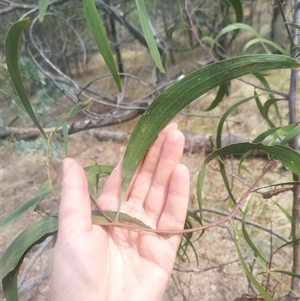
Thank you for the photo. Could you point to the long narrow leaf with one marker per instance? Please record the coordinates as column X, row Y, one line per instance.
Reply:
column 238, row 9
column 284, row 131
column 27, row 239
column 263, row 42
column 260, row 138
column 97, row 29
column 219, row 97
column 65, row 136
column 288, row 157
column 268, row 104
column 93, row 173
column 75, row 110
column 238, row 26
column 146, row 27
column 15, row 97
column 43, row 5
column 249, row 240
column 218, row 143
column 291, row 135
column 12, row 42
column 26, row 206
column 10, row 283
column 254, row 282
column 287, row 273
column 169, row 103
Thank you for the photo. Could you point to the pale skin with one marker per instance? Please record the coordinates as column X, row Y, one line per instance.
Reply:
column 97, row 263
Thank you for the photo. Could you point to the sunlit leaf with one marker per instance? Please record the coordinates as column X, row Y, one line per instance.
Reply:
column 146, row 27
column 98, row 31
column 12, row 41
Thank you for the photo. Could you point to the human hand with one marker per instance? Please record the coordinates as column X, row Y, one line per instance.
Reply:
column 95, row 263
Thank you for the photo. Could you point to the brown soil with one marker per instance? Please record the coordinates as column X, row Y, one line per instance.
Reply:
column 211, row 279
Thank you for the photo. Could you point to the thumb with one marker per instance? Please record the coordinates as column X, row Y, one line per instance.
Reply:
column 75, row 207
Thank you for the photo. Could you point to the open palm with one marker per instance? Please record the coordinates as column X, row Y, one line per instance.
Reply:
column 107, row 263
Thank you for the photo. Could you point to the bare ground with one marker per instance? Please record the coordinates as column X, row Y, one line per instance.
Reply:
column 218, row 275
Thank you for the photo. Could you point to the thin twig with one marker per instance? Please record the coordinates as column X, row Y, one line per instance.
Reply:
column 284, row 95
column 34, row 281
column 197, row 270
column 33, row 259
column 248, row 222
column 279, row 4
column 167, row 233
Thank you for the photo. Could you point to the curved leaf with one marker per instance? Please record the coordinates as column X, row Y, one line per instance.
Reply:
column 237, row 26
column 238, row 9
column 219, row 97
column 97, row 29
column 27, row 206
column 146, row 27
column 268, row 104
column 287, row 156
column 260, row 138
column 249, row 240
column 15, row 97
column 263, row 41
column 75, row 110
column 27, row 239
column 252, row 279
column 165, row 107
column 12, row 42
column 93, row 176
column 219, row 143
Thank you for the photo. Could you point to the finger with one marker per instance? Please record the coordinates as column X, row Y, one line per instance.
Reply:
column 110, row 193
column 144, row 176
column 174, row 212
column 142, row 179
column 170, row 157
column 75, row 206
